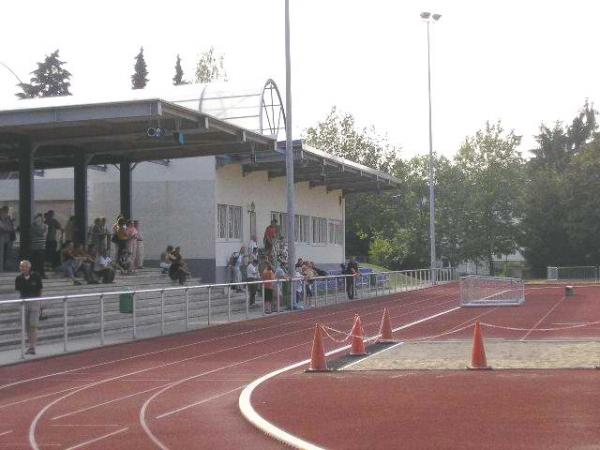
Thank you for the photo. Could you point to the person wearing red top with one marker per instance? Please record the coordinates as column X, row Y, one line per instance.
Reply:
column 270, row 236
column 267, row 276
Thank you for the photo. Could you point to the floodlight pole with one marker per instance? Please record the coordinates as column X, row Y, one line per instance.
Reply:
column 428, row 17
column 289, row 150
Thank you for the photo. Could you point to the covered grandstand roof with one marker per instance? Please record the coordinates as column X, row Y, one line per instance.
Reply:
column 239, row 123
column 318, row 168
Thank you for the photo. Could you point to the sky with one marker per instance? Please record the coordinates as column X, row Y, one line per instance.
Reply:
column 521, row 62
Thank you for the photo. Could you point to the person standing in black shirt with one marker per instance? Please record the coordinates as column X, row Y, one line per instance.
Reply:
column 351, row 269
column 29, row 285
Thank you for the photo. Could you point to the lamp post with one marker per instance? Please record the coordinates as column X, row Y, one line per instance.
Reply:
column 289, row 148
column 428, row 18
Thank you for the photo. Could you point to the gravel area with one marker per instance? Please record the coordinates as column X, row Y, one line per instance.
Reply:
column 501, row 354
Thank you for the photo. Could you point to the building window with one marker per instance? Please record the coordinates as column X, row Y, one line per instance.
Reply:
column 229, row 222
column 302, row 229
column 319, row 230
column 281, row 219
column 336, row 235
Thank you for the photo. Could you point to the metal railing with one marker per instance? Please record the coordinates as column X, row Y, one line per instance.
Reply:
column 573, row 273
column 209, row 304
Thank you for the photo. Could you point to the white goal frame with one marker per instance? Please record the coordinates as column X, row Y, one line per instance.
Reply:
column 479, row 290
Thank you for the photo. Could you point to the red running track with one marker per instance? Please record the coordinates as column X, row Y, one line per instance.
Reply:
column 508, row 409
column 181, row 391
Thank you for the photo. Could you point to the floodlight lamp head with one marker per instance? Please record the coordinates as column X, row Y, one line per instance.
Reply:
column 436, row 17
column 425, row 15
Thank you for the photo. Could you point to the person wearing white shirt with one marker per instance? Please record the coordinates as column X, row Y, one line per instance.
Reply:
column 103, row 268
column 252, row 275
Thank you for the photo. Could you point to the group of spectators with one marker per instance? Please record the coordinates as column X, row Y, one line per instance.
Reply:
column 173, row 264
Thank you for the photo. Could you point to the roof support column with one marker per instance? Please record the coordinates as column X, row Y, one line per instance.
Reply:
column 80, row 195
column 26, row 152
column 125, row 187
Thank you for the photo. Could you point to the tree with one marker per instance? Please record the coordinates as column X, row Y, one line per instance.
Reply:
column 371, row 219
column 210, row 67
column 558, row 225
column 178, row 78
column 493, row 175
column 139, row 78
column 338, row 135
column 50, row 79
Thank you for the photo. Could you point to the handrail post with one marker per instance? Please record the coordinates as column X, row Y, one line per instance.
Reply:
column 209, row 305
column 262, row 287
column 65, row 323
column 23, row 329
column 326, row 289
column 345, row 286
column 133, row 314
column 102, row 319
column 162, row 312
column 277, row 294
column 304, row 296
column 187, row 309
column 229, row 303
column 248, row 300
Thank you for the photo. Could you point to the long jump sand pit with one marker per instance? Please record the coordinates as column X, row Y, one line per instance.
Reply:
column 501, row 354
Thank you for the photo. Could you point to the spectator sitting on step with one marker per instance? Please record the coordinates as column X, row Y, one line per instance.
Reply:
column 70, row 265
column 86, row 263
column 178, row 270
column 103, row 267
column 165, row 259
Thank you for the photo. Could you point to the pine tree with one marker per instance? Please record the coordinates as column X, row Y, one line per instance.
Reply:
column 178, row 78
column 49, row 79
column 138, row 79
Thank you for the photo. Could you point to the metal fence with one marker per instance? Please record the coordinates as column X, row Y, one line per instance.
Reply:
column 188, row 307
column 573, row 273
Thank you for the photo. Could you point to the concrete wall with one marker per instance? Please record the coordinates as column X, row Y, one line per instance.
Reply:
column 174, row 204
column 232, row 188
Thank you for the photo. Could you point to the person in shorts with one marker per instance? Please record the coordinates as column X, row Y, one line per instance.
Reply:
column 268, row 276
column 29, row 285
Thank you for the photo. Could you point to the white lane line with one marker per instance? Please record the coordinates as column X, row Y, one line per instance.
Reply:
column 143, row 409
column 201, row 402
column 203, row 341
column 41, row 412
column 37, row 397
column 248, row 411
column 91, row 441
column 4, row 433
column 543, row 318
column 108, row 402
column 369, row 356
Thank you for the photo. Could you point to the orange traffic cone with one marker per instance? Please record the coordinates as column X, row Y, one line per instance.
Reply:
column 317, row 354
column 478, row 359
column 358, row 342
column 385, row 330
